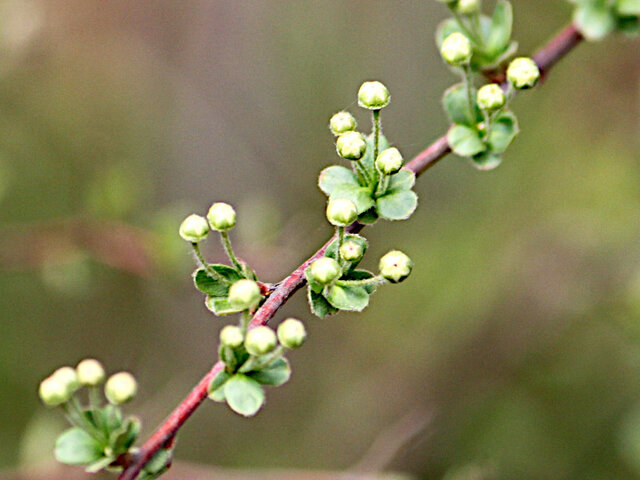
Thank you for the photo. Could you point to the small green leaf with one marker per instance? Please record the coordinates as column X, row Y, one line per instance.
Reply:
column 100, row 464
column 403, row 180
column 124, row 437
column 244, row 395
column 465, row 141
column 77, row 447
column 457, row 107
column 595, row 21
column 501, row 23
column 220, row 305
column 369, row 217
column 212, row 286
column 504, row 129
column 486, row 160
column 216, row 392
column 368, row 161
column 319, row 305
column 628, row 7
column 275, row 374
column 349, row 298
column 158, row 464
column 336, row 175
column 360, row 196
column 397, row 206
column 361, row 275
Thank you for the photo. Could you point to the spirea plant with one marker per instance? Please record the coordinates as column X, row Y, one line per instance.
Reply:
column 373, row 183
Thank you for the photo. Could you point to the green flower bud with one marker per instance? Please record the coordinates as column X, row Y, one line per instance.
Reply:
column 389, row 161
column 324, row 270
column 68, row 377
column 351, row 145
column 341, row 212
column 222, row 217
column 120, row 388
column 342, row 122
column 373, row 95
column 291, row 333
column 245, row 294
column 231, row 336
column 351, row 251
column 260, row 340
column 90, row 372
column 523, row 73
column 490, row 97
column 395, row 266
column 467, row 7
column 456, row 49
column 53, row 392
column 194, row 228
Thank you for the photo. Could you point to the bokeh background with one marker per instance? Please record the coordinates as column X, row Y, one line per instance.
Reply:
column 513, row 351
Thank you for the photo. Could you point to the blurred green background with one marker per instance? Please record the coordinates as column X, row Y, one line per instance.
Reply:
column 512, row 352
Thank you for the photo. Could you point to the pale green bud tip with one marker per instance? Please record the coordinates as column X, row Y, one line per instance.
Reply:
column 324, row 270
column 53, row 392
column 466, row 7
column 395, row 266
column 231, row 336
column 245, row 294
column 490, row 97
column 351, row 145
column 194, row 228
column 260, row 340
column 351, row 251
column 120, row 388
column 456, row 49
column 342, row 122
column 90, row 372
column 292, row 333
column 222, row 217
column 523, row 73
column 373, row 95
column 341, row 212
column 389, row 161
column 68, row 377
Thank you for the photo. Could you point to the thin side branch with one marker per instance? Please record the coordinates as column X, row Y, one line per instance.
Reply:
column 557, row 48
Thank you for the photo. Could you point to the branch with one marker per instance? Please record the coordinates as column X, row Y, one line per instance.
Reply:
column 557, row 48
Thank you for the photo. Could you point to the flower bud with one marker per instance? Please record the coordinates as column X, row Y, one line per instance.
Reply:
column 291, row 333
column 324, row 270
column 194, row 228
column 351, row 251
column 90, row 372
column 67, row 376
column 456, row 49
column 245, row 294
column 490, row 97
column 222, row 217
column 395, row 266
column 260, row 340
column 389, row 161
column 53, row 392
column 231, row 336
column 467, row 7
column 523, row 73
column 341, row 212
column 373, row 95
column 342, row 122
column 351, row 145
column 120, row 388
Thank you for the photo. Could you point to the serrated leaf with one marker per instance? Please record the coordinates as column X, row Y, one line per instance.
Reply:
column 77, row 447
column 486, row 161
column 595, row 21
column 457, row 108
column 216, row 392
column 244, row 395
column 628, row 7
column 503, row 130
column 212, row 286
column 403, row 180
column 336, row 175
column 100, row 464
column 397, row 206
column 465, row 141
column 347, row 297
column 361, row 275
column 220, row 305
column 360, row 196
column 275, row 374
column 501, row 22
column 319, row 305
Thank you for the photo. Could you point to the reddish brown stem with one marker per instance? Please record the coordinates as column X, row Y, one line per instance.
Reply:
column 560, row 45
